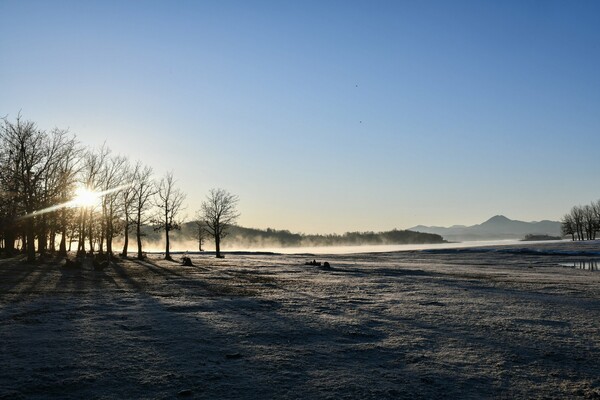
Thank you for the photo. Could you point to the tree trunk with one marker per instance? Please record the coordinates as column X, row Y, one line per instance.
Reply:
column 139, row 239
column 103, row 235
column 91, row 233
column 168, row 245
column 30, row 240
column 126, row 240
column 62, row 247
column 52, row 246
column 9, row 242
column 23, row 240
column 81, row 233
column 218, row 246
column 109, row 238
column 43, row 236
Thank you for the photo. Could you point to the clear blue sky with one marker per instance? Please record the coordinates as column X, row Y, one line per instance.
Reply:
column 326, row 116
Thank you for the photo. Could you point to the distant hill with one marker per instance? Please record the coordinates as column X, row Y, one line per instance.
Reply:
column 251, row 238
column 497, row 227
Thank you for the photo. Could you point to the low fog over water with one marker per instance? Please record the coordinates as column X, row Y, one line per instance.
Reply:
column 352, row 249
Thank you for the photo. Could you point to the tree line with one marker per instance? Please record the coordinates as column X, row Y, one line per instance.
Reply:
column 582, row 222
column 55, row 193
column 264, row 238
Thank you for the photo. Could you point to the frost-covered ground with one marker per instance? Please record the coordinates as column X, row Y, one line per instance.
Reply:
column 480, row 323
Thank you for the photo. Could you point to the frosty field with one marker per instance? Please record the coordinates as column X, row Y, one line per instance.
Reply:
column 502, row 322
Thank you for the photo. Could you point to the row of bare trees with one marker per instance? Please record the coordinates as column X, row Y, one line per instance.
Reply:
column 37, row 168
column 54, row 189
column 582, row 222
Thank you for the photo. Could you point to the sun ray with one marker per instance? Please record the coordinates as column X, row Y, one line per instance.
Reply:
column 83, row 198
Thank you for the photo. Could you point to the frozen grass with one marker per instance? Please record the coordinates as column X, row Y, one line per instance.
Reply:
column 455, row 324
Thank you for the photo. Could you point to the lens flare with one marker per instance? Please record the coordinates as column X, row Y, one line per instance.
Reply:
column 85, row 197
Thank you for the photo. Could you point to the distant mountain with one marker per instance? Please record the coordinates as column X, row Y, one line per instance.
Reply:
column 497, row 227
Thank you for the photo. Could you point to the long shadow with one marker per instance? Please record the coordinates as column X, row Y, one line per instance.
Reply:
column 299, row 332
column 187, row 282
column 130, row 341
column 91, row 325
column 219, row 374
column 13, row 272
column 30, row 283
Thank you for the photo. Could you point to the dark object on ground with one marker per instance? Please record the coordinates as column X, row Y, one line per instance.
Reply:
column 185, row 393
column 533, row 238
column 326, row 265
column 220, row 256
column 100, row 266
column 233, row 356
column 101, row 261
column 432, row 303
column 313, row 263
column 186, row 261
column 101, row 257
column 71, row 264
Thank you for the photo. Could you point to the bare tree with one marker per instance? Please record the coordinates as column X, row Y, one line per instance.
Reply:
column 58, row 179
column 577, row 215
column 169, row 201
column 219, row 213
column 92, row 179
column 143, row 190
column 38, row 170
column 113, row 178
column 32, row 157
column 128, row 202
column 10, row 187
column 568, row 226
column 596, row 211
column 200, row 231
column 589, row 222
column 68, row 170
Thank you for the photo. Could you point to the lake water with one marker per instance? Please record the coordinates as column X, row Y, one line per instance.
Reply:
column 589, row 265
column 389, row 248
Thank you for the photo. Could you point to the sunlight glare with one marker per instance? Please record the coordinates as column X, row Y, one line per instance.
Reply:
column 85, row 197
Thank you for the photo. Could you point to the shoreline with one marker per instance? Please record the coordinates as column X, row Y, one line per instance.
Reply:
column 383, row 248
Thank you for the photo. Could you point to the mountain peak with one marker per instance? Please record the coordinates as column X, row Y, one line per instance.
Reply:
column 497, row 219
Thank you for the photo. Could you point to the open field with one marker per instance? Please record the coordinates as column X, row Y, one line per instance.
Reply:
column 421, row 324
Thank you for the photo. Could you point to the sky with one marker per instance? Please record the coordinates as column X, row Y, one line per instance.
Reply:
column 326, row 116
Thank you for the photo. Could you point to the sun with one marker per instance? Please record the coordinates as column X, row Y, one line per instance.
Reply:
column 85, row 197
